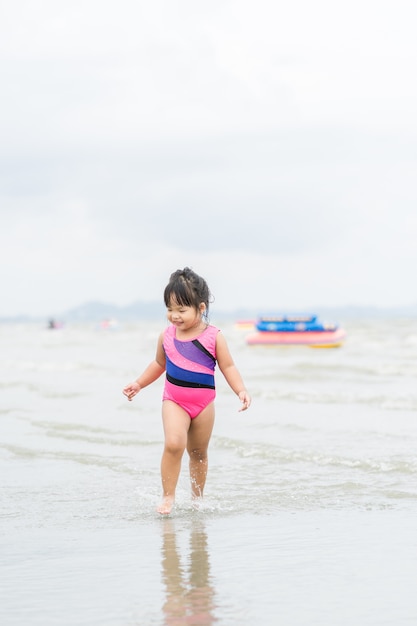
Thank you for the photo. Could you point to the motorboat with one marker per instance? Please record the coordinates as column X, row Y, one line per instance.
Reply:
column 306, row 330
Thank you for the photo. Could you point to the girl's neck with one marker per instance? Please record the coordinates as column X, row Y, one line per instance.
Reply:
column 191, row 332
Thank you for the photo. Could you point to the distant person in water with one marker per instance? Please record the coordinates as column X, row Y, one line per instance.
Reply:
column 53, row 324
column 188, row 350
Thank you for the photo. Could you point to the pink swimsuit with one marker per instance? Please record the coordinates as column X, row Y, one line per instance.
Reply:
column 190, row 370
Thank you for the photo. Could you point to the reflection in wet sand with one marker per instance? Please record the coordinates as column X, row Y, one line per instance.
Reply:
column 189, row 594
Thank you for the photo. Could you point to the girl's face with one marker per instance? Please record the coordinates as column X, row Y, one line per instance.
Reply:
column 184, row 317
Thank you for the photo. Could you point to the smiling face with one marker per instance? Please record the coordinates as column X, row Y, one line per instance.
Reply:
column 185, row 318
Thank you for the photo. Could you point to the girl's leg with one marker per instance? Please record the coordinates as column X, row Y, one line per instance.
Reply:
column 176, row 425
column 197, row 446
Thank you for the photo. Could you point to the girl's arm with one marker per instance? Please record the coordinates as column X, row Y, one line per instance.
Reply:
column 150, row 374
column 230, row 371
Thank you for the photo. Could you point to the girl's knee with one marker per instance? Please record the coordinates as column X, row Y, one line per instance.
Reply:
column 198, row 454
column 174, row 447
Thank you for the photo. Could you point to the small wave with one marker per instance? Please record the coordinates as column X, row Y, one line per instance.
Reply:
column 336, row 396
column 90, row 434
column 120, row 465
column 276, row 454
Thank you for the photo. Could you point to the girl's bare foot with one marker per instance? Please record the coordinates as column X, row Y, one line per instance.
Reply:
column 197, row 502
column 166, row 505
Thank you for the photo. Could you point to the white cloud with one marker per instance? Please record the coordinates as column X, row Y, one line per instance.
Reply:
column 277, row 141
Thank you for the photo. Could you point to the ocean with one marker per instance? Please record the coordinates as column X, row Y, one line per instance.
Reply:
column 310, row 508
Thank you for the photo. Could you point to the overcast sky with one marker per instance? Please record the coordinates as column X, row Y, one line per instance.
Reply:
column 271, row 146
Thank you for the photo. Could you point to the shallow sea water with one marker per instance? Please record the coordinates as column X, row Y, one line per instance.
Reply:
column 311, row 499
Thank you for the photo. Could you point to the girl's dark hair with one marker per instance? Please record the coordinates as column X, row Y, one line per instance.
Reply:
column 187, row 289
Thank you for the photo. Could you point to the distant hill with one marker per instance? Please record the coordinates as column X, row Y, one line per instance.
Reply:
column 99, row 311
column 96, row 311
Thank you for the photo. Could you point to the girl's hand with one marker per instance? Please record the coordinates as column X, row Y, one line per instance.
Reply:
column 245, row 399
column 131, row 390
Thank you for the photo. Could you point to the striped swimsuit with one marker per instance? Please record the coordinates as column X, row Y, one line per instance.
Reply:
column 190, row 370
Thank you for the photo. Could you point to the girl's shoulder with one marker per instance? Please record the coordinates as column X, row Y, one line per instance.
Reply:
column 208, row 338
column 169, row 331
column 211, row 330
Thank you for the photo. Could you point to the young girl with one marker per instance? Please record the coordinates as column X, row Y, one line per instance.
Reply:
column 188, row 350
